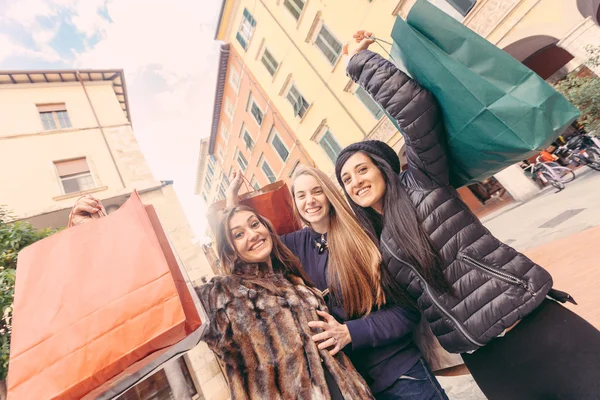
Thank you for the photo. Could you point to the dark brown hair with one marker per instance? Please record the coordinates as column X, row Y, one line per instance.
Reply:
column 283, row 260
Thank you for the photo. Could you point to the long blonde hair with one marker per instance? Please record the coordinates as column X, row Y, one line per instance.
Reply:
column 354, row 268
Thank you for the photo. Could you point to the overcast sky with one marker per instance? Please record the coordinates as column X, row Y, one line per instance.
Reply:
column 167, row 50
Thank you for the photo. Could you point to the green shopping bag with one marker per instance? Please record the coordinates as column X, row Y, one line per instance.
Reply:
column 496, row 110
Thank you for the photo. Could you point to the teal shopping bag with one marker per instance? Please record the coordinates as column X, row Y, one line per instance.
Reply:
column 496, row 110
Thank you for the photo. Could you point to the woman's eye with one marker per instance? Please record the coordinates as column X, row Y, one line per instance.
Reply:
column 255, row 224
column 362, row 170
column 318, row 191
column 300, row 197
column 346, row 181
column 238, row 235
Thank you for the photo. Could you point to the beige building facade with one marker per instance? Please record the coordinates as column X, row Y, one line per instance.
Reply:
column 64, row 134
column 248, row 134
column 305, row 38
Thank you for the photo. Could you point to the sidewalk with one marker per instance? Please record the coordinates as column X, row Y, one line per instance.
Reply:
column 547, row 190
column 573, row 263
column 550, row 216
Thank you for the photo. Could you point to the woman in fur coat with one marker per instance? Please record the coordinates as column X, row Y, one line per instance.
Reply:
column 259, row 313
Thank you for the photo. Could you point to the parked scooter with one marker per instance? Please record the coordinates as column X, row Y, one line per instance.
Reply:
column 582, row 149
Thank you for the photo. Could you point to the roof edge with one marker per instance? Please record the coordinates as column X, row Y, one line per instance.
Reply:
column 220, row 88
column 220, row 20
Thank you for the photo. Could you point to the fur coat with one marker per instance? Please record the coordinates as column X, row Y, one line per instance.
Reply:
column 263, row 339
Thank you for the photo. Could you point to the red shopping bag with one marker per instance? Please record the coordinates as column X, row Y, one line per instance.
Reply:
column 92, row 300
column 273, row 201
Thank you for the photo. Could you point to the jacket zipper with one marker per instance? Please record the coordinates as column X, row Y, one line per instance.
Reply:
column 503, row 276
column 446, row 312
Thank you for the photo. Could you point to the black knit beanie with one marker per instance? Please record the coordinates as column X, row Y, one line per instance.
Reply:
column 370, row 147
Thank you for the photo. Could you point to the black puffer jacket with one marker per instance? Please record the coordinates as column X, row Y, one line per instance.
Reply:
column 495, row 285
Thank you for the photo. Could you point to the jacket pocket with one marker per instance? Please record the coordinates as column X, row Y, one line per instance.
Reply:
column 496, row 273
column 433, row 297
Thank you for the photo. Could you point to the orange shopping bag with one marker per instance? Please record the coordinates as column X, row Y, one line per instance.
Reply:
column 92, row 300
column 273, row 201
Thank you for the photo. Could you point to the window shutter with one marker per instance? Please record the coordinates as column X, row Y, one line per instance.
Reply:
column 368, row 101
column 51, row 107
column 72, row 167
column 242, row 41
column 462, row 6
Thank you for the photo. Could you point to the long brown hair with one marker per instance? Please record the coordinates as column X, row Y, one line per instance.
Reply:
column 354, row 268
column 283, row 260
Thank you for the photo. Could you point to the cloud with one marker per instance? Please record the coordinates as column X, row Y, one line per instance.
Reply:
column 86, row 17
column 169, row 56
column 27, row 12
column 8, row 48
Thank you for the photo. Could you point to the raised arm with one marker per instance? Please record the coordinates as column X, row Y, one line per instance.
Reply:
column 231, row 197
column 413, row 107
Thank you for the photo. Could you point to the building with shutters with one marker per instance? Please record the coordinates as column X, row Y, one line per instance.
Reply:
column 64, row 134
column 248, row 134
column 293, row 48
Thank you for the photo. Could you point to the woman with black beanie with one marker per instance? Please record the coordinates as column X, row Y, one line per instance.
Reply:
column 481, row 297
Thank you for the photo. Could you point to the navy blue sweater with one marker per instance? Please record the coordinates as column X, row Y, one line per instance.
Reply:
column 382, row 348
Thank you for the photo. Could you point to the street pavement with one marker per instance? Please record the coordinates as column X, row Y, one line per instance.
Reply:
column 551, row 215
column 560, row 231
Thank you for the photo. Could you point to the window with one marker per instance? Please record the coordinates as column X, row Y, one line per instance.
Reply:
column 330, row 145
column 269, row 62
column 255, row 111
column 221, row 154
column 254, row 183
column 224, row 133
column 294, row 169
column 268, row 171
column 54, row 116
column 278, row 145
column 248, row 141
column 368, row 101
column 294, row 7
column 234, row 79
column 229, row 108
column 157, row 387
column 221, row 191
column 455, row 8
column 75, row 175
column 329, row 45
column 298, row 102
column 242, row 161
column 244, row 35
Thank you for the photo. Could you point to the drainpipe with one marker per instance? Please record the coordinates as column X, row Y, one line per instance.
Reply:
column 100, row 127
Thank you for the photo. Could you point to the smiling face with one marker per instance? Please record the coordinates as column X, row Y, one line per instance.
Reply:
column 311, row 201
column 363, row 182
column 250, row 237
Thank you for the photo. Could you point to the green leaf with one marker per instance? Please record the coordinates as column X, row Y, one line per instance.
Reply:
column 14, row 237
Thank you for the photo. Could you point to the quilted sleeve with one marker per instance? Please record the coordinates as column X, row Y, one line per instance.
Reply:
column 415, row 110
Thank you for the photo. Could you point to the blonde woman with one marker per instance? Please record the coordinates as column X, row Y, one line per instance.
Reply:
column 371, row 319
